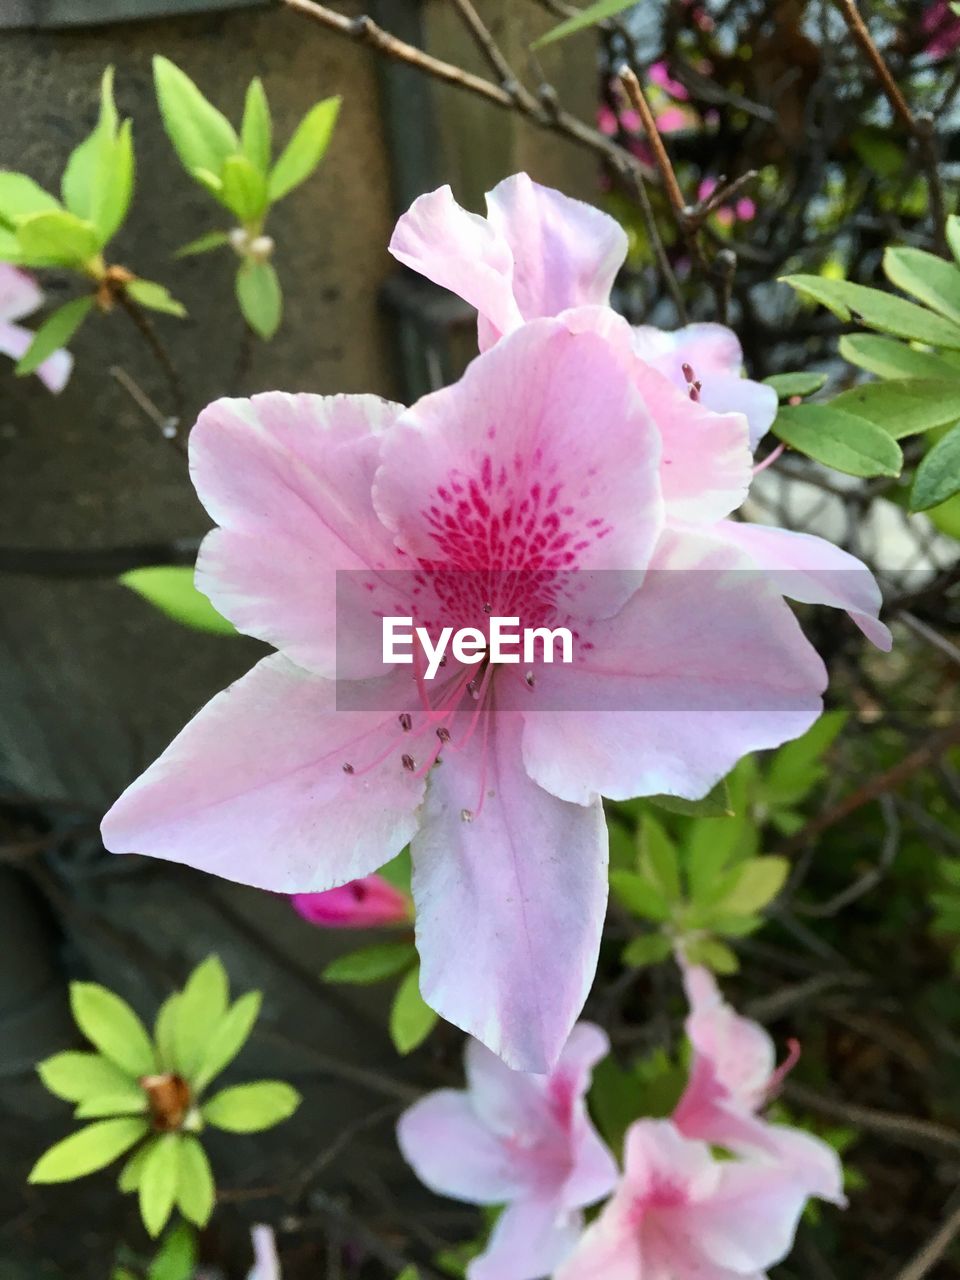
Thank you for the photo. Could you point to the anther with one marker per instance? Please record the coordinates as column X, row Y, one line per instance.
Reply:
column 466, row 815
column 408, row 763
column 488, row 607
column 695, row 393
column 687, row 370
column 473, row 689
column 347, row 767
column 406, row 721
column 530, row 680
column 443, row 661
column 443, row 733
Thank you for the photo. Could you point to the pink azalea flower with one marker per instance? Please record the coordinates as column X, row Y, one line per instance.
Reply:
column 681, row 1214
column 361, row 904
column 539, row 253
column 732, row 1078
column 673, row 119
column 522, row 1141
column 20, row 296
column 556, row 473
column 941, row 26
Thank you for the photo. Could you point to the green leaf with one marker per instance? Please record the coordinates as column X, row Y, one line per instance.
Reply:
column 587, row 17
column 83, row 169
column 411, row 1018
column 706, row 863
column 130, row 1174
column 371, row 964
column 648, row 948
column 888, row 358
column 176, row 1259
column 658, row 858
column 114, row 185
column 195, row 1189
column 155, row 297
column 305, row 149
column 227, row 1038
column 248, row 1108
column 903, row 407
column 715, row 804
column 170, row 589
column 796, row 767
column 713, row 955
column 74, row 1076
column 639, row 896
column 112, row 1027
column 953, row 235
column 931, row 280
column 164, row 1032
column 203, row 244
column 244, row 189
column 796, row 384
column 202, row 1005
column 20, row 196
column 55, row 332
column 131, row 1101
column 398, row 870
column 256, row 131
column 409, row 1273
column 878, row 310
column 258, row 292
column 201, row 135
column 88, row 1149
column 57, row 238
column 839, row 440
column 755, row 883
column 938, row 475
column 158, row 1183
column 210, row 182
column 614, row 1101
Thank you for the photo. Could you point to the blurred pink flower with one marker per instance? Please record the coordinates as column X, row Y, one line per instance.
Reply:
column 681, row 1214
column 941, row 26
column 20, row 296
column 733, row 1076
column 659, row 73
column 266, row 1264
column 522, row 1141
column 360, row 904
column 743, row 210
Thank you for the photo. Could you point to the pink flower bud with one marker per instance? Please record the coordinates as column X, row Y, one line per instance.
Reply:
column 361, row 904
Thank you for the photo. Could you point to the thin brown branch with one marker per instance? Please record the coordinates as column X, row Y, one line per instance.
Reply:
column 495, row 56
column 875, row 787
column 147, row 331
column 920, row 128
column 907, row 1130
column 544, row 115
column 638, row 100
column 933, row 1251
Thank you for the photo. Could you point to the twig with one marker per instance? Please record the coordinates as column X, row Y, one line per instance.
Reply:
column 907, row 1130
column 870, row 879
column 150, row 336
column 723, row 192
column 546, row 116
column 506, row 76
column 166, row 426
column 874, row 787
column 920, row 128
column 96, row 562
column 638, row 100
column 923, row 1263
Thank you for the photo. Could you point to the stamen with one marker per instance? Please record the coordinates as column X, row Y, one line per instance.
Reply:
column 488, row 607
column 695, row 393
column 443, row 733
column 687, row 370
column 473, row 689
column 406, row 721
column 408, row 762
column 348, row 767
column 466, row 815
column 529, row 680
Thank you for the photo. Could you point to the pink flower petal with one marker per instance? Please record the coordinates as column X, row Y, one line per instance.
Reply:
column 704, row 664
column 254, row 787
column 55, row 371
column 462, row 252
column 20, row 295
column 813, row 571
column 454, row 1153
column 530, row 1240
column 541, row 457
column 494, row 894
column 750, row 1221
column 288, row 479
column 565, row 253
